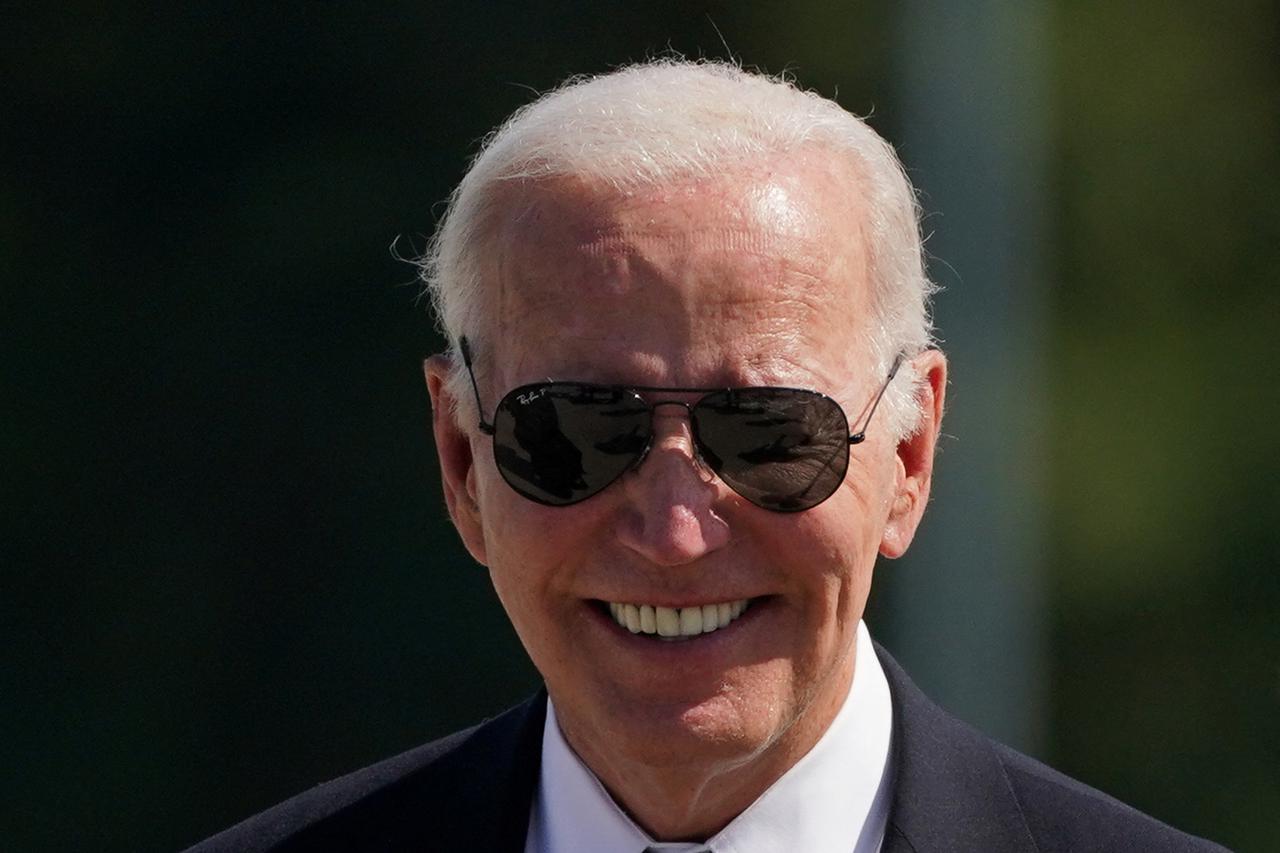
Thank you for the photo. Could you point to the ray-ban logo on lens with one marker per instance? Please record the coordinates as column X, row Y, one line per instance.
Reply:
column 527, row 398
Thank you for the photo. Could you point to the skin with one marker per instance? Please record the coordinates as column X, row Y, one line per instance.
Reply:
column 756, row 277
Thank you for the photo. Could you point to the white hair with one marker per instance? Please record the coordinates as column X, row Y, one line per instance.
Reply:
column 669, row 119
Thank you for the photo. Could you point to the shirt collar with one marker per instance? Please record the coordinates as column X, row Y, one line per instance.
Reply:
column 833, row 800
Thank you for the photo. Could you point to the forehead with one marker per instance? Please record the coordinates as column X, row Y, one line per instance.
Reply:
column 755, row 275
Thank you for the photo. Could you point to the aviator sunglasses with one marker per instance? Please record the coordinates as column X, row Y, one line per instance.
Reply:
column 783, row 449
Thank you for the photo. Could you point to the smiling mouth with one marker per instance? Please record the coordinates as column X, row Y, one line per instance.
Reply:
column 676, row 623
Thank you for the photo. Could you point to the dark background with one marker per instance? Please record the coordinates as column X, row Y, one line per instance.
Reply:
column 227, row 573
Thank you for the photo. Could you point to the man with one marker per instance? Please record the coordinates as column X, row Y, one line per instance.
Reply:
column 690, row 398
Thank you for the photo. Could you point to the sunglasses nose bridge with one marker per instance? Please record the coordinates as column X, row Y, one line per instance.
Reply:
column 689, row 433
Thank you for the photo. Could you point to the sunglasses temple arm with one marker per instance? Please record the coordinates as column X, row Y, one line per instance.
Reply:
column 861, row 435
column 485, row 426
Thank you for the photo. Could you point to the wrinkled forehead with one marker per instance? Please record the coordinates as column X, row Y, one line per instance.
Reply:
column 763, row 263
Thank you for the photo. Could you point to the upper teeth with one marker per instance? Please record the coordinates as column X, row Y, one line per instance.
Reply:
column 676, row 621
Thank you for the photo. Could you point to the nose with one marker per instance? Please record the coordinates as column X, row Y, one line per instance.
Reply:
column 670, row 514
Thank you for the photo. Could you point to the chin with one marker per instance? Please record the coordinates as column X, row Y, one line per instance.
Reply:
column 725, row 728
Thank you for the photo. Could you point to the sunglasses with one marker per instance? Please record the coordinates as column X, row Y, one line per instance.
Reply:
column 559, row 443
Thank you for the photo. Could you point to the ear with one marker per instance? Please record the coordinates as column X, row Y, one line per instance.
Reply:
column 457, row 462
column 915, row 457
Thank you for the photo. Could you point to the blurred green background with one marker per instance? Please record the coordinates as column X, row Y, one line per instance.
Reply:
column 227, row 573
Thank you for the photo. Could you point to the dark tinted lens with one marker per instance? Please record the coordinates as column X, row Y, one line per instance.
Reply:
column 780, row 448
column 561, row 442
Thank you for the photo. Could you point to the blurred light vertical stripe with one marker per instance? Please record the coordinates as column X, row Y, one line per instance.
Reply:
column 968, row 602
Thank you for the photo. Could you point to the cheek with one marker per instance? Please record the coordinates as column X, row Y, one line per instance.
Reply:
column 534, row 552
column 844, row 539
column 530, row 533
column 872, row 482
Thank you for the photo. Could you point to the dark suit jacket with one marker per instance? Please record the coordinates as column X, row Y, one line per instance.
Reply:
column 954, row 790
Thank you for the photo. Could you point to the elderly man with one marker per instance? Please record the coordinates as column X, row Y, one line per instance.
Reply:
column 690, row 398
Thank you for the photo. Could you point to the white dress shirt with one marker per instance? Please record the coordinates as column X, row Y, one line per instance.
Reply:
column 833, row 800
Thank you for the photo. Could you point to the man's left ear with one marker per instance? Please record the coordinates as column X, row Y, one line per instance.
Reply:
column 915, row 457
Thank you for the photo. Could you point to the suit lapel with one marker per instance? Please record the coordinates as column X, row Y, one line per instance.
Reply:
column 472, row 791
column 950, row 792
column 497, row 775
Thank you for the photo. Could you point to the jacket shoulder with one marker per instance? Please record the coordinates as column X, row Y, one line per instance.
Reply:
column 1064, row 814
column 955, row 789
column 435, row 790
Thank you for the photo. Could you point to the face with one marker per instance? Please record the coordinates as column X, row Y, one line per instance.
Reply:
column 756, row 278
